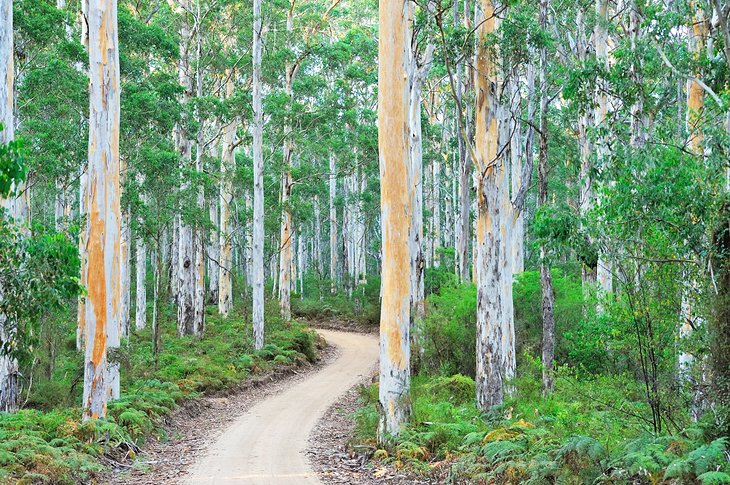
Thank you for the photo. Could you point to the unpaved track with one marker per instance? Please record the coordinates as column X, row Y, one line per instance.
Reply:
column 266, row 445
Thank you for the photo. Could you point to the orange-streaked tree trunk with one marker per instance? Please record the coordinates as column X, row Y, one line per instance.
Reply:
column 396, row 212
column 695, row 107
column 103, row 227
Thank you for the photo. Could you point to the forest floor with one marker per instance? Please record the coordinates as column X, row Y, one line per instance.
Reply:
column 267, row 442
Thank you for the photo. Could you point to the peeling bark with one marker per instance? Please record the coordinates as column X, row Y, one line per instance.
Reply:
column 396, row 212
column 495, row 330
column 103, row 228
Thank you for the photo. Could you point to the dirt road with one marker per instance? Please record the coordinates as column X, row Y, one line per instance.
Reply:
column 266, row 445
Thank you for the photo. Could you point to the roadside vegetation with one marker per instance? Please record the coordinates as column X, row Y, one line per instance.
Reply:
column 46, row 442
column 596, row 427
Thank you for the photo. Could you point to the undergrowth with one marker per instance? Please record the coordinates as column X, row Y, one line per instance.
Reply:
column 49, row 444
column 567, row 438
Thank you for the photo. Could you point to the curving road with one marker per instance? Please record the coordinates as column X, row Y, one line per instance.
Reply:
column 266, row 445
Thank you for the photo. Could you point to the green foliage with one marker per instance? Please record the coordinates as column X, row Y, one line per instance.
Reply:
column 578, row 435
column 53, row 447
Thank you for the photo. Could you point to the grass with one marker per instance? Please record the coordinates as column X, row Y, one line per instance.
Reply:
column 49, row 444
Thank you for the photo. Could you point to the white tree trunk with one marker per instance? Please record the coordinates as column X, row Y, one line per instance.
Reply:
column 418, row 70
column 258, row 184
column 333, row 223
column 396, row 213
column 518, row 229
column 318, row 237
column 495, row 330
column 604, row 270
column 103, row 228
column 140, row 314
column 187, row 262
column 225, row 278
column 125, row 273
column 213, row 250
column 8, row 364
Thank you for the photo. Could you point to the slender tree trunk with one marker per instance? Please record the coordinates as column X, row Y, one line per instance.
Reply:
column 463, row 223
column 695, row 108
column 396, row 212
column 585, row 148
column 333, row 224
column 546, row 279
column 418, row 70
column 318, row 237
column 518, row 228
column 125, row 272
column 436, row 205
column 186, row 264
column 604, row 269
column 225, row 279
column 258, row 184
column 103, row 228
column 214, row 249
column 198, row 236
column 140, row 313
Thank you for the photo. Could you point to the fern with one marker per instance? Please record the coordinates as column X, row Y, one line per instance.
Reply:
column 714, row 478
column 498, row 451
column 582, row 446
column 707, row 457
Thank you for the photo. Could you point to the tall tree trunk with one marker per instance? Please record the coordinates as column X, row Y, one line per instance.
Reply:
column 517, row 242
column 318, row 237
column 418, row 70
column 396, row 212
column 463, row 223
column 585, row 148
column 225, row 263
column 604, row 269
column 333, row 223
column 258, row 184
column 102, row 308
column 546, row 279
column 198, row 236
column 185, row 270
column 140, row 313
column 14, row 205
column 125, row 272
column 695, row 108
column 495, row 337
column 214, row 250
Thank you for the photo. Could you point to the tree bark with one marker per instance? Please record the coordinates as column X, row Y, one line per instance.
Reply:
column 8, row 364
column 546, row 279
column 495, row 332
column 604, row 269
column 258, row 184
column 140, row 313
column 396, row 212
column 225, row 262
column 102, row 307
column 418, row 70
column 333, row 224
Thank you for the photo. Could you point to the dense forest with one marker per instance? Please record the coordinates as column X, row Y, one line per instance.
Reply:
column 528, row 201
